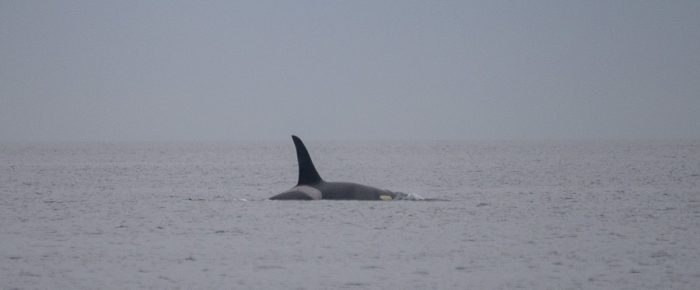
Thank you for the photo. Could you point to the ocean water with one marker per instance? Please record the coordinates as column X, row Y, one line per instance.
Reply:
column 508, row 215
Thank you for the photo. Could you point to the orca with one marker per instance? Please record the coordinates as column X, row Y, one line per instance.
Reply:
column 311, row 186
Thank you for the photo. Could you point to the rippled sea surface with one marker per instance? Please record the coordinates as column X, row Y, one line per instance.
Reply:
column 534, row 215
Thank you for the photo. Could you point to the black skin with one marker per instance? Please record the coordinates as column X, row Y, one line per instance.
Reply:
column 337, row 191
column 348, row 190
column 329, row 190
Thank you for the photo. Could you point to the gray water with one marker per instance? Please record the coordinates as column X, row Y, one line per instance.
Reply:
column 535, row 215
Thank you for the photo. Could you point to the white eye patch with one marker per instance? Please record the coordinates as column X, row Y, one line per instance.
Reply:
column 385, row 197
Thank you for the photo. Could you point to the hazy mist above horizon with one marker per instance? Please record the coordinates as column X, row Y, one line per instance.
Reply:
column 262, row 70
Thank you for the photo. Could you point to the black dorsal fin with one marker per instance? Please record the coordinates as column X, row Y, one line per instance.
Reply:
column 307, row 171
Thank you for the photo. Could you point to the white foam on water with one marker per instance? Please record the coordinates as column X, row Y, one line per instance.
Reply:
column 407, row 196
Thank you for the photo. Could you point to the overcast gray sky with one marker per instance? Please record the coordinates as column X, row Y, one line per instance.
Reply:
column 239, row 70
